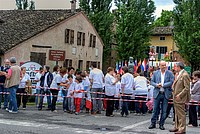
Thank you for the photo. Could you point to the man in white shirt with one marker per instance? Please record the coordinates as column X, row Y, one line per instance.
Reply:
column 162, row 80
column 127, row 83
column 96, row 78
column 37, row 79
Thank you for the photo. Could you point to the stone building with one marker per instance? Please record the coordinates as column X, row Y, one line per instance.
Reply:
column 50, row 37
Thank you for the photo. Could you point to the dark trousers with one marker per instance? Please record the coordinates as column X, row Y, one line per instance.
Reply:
column 142, row 110
column 110, row 105
column 117, row 104
column 54, row 99
column 168, row 111
column 24, row 97
column 125, row 104
column 42, row 93
column 198, row 110
column 193, row 115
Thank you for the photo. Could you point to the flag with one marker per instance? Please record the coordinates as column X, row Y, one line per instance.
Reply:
column 144, row 65
column 89, row 104
column 139, row 64
column 171, row 66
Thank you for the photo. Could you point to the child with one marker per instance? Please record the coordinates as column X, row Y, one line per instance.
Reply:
column 117, row 92
column 78, row 94
column 70, row 93
column 86, row 85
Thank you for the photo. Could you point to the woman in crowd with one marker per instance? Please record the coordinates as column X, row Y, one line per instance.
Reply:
column 195, row 96
column 55, row 86
column 24, row 79
column 110, row 88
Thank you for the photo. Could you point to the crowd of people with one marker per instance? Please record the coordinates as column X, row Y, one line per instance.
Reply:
column 125, row 92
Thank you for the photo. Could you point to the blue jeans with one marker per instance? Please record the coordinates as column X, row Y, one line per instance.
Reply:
column 125, row 104
column 163, row 102
column 65, row 104
column 36, row 96
column 13, row 100
column 4, row 91
column 42, row 93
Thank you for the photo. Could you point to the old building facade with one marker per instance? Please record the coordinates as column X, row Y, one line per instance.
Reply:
column 50, row 37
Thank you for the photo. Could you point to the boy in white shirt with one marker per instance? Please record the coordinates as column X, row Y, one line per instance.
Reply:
column 78, row 94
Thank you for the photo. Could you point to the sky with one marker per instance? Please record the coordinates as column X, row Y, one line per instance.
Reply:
column 65, row 4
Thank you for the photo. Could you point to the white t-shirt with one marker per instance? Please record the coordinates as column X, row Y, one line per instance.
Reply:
column 86, row 83
column 128, row 82
column 78, row 87
column 71, row 88
column 118, row 89
column 141, row 85
column 57, row 79
column 54, row 74
column 37, row 77
column 23, row 81
column 97, row 78
column 65, row 79
column 109, row 85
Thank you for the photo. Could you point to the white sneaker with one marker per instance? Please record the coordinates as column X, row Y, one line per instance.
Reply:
column 6, row 109
column 54, row 111
column 13, row 112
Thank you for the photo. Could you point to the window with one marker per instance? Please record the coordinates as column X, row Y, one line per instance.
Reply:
column 67, row 35
column 161, row 50
column 38, row 57
column 79, row 38
column 94, row 41
column 90, row 45
column 162, row 38
column 67, row 63
column 99, row 65
column 83, row 41
column 80, row 64
column 88, row 65
column 72, row 37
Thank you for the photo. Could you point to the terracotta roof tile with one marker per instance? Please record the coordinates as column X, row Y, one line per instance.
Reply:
column 162, row 30
column 19, row 25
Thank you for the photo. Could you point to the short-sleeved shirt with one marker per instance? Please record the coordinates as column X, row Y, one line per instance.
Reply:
column 37, row 77
column 86, row 83
column 109, row 85
column 71, row 88
column 128, row 81
column 23, row 81
column 118, row 88
column 141, row 85
column 57, row 79
column 97, row 78
column 78, row 87
column 65, row 78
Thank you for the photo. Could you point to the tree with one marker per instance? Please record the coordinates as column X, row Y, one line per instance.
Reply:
column 25, row 4
column 134, row 26
column 187, row 30
column 99, row 13
column 165, row 19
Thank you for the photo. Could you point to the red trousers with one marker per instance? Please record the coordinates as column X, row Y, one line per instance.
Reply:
column 77, row 102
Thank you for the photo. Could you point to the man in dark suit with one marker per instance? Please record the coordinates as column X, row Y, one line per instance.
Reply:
column 162, row 80
column 181, row 95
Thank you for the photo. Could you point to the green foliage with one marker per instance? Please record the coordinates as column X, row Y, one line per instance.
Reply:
column 134, row 19
column 24, row 4
column 165, row 19
column 187, row 30
column 99, row 13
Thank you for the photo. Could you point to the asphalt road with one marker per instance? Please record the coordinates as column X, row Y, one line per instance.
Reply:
column 32, row 121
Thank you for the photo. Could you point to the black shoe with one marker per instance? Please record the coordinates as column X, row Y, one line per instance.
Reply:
column 152, row 126
column 122, row 114
column 161, row 127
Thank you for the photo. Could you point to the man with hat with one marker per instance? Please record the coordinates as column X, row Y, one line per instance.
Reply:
column 181, row 95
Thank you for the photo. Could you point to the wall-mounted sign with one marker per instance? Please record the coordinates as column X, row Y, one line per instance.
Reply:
column 56, row 55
